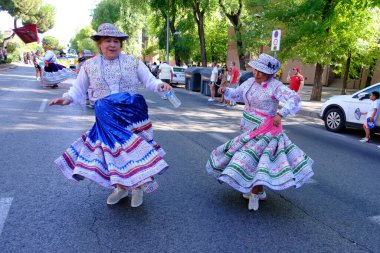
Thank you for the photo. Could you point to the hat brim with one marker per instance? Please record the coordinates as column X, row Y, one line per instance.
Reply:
column 262, row 68
column 98, row 37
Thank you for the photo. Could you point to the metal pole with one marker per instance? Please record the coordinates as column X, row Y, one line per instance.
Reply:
column 167, row 38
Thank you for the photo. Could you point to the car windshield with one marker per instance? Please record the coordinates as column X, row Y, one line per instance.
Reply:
column 178, row 69
column 368, row 90
column 71, row 51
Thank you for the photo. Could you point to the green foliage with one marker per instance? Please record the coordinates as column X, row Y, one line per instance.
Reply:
column 31, row 12
column 51, row 42
column 106, row 11
column 82, row 41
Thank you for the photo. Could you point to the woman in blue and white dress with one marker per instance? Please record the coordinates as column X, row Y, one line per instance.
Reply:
column 119, row 151
column 54, row 73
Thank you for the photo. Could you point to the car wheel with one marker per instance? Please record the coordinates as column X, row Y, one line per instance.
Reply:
column 334, row 120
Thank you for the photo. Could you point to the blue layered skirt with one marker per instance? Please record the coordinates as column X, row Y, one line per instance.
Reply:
column 119, row 148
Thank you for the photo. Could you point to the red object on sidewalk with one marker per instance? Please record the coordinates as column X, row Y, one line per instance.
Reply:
column 28, row 33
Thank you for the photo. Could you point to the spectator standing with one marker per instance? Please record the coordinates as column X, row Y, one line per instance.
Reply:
column 165, row 74
column 234, row 78
column 29, row 58
column 296, row 80
column 371, row 114
column 213, row 80
column 224, row 83
column 36, row 62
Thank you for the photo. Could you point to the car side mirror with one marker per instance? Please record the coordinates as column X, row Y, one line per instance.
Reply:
column 363, row 95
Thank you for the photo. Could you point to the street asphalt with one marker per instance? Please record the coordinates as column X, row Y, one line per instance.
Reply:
column 41, row 211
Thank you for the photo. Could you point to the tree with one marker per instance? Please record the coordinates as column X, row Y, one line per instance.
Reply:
column 233, row 12
column 106, row 11
column 52, row 42
column 314, row 31
column 82, row 40
column 29, row 12
column 129, row 16
column 199, row 8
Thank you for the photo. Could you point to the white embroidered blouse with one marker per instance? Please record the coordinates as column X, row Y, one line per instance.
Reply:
column 101, row 77
column 265, row 97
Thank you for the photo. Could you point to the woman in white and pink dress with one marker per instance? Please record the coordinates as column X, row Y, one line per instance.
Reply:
column 263, row 155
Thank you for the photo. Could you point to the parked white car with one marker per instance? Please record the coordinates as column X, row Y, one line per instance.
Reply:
column 179, row 75
column 343, row 110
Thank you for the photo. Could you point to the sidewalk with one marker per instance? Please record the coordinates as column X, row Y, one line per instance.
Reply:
column 4, row 67
column 312, row 108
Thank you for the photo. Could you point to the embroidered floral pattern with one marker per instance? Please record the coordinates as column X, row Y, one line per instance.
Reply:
column 126, row 78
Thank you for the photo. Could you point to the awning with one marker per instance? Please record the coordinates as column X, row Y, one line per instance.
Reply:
column 28, row 33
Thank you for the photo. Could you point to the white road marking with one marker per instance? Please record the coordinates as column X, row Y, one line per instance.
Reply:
column 219, row 137
column 375, row 219
column 5, row 205
column 150, row 101
column 43, row 105
column 311, row 181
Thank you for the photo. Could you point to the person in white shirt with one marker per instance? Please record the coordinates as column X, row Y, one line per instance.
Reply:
column 371, row 114
column 165, row 74
column 213, row 79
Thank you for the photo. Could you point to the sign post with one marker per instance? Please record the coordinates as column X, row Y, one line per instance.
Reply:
column 276, row 39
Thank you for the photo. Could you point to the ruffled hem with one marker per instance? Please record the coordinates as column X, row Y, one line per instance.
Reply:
column 250, row 160
column 57, row 76
column 131, row 165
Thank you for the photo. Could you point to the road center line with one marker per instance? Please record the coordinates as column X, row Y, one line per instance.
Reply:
column 43, row 105
column 5, row 205
column 219, row 137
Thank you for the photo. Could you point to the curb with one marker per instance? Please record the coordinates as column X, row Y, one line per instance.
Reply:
column 12, row 66
column 308, row 113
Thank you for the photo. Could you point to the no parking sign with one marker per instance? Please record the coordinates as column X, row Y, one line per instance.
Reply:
column 276, row 38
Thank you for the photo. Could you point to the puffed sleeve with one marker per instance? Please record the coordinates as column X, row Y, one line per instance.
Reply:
column 77, row 92
column 237, row 94
column 290, row 99
column 147, row 78
column 48, row 56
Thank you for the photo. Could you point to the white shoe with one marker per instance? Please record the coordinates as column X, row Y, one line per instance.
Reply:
column 137, row 197
column 253, row 203
column 38, row 78
column 364, row 140
column 117, row 195
column 262, row 195
column 164, row 97
column 210, row 99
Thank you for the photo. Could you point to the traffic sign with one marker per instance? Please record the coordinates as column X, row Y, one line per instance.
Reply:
column 276, row 38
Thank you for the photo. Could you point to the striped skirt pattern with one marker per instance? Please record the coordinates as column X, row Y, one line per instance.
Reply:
column 263, row 155
column 119, row 149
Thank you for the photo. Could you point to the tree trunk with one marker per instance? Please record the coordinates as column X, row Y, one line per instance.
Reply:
column 173, row 31
column 317, row 88
column 202, row 42
column 5, row 41
column 346, row 71
column 239, row 44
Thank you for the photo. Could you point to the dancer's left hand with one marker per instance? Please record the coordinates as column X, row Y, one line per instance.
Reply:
column 277, row 120
column 165, row 87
